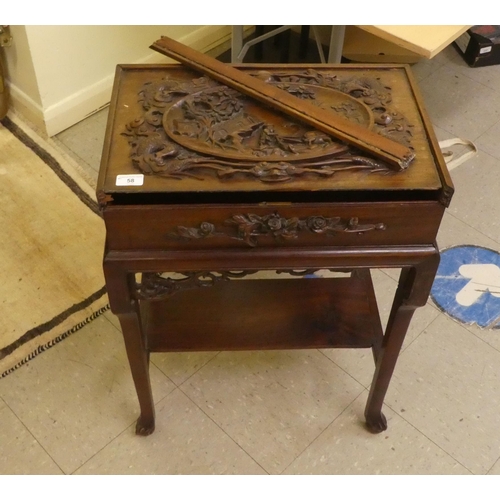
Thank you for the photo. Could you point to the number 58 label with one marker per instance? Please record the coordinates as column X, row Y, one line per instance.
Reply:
column 130, row 180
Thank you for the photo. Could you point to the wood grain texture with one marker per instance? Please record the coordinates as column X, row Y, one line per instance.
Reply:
column 266, row 314
column 404, row 223
column 395, row 154
column 127, row 108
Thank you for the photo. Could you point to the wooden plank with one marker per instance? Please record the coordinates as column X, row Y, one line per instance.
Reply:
column 426, row 40
column 396, row 155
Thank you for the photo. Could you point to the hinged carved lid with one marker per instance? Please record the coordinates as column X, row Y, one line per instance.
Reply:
column 172, row 130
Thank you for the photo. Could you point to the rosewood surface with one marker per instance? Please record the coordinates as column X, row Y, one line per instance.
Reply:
column 296, row 314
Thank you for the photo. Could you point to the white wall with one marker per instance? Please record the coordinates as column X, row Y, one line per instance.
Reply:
column 21, row 76
column 58, row 75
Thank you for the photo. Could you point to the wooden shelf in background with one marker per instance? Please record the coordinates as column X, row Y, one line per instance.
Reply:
column 397, row 44
column 426, row 41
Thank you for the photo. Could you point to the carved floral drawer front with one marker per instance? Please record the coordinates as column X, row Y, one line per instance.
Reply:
column 257, row 226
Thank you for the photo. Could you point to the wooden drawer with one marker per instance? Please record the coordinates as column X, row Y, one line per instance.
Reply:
column 158, row 227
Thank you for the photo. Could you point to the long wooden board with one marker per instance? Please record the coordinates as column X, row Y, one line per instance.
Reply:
column 396, row 155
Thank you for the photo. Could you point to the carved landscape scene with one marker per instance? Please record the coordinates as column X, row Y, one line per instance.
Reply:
column 199, row 128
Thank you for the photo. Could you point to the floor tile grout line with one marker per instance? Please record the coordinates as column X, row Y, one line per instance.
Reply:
column 208, row 416
column 157, row 367
column 367, row 387
column 485, row 132
column 421, row 80
column 140, row 437
column 437, row 68
column 382, row 269
column 325, row 429
column 363, row 389
column 481, row 150
column 491, row 468
column 156, row 403
column 151, row 362
column 321, row 432
column 115, row 327
column 495, row 89
column 106, row 445
column 345, row 371
column 7, row 406
column 459, row 323
column 403, row 348
column 450, row 65
column 472, row 227
column 194, row 373
column 427, row 437
column 465, row 77
column 474, row 140
column 398, row 413
column 227, row 434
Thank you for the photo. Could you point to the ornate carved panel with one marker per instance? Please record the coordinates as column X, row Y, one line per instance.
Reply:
column 250, row 227
column 199, row 128
column 154, row 286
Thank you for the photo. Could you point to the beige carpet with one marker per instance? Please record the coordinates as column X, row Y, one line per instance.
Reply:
column 51, row 245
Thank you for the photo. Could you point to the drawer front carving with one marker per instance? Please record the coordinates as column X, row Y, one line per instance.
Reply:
column 252, row 228
column 256, row 226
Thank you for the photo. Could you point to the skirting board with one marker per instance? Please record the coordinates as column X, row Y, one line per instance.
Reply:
column 88, row 100
column 25, row 106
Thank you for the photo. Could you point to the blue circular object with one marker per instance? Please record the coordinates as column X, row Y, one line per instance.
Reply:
column 467, row 285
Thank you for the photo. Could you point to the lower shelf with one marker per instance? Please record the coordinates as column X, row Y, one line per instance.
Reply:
column 266, row 314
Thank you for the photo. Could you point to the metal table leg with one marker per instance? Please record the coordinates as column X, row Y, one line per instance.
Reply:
column 336, row 44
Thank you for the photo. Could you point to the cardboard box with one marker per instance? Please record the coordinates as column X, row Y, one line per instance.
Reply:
column 480, row 45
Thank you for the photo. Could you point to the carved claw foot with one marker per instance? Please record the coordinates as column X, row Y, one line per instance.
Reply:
column 145, row 427
column 376, row 424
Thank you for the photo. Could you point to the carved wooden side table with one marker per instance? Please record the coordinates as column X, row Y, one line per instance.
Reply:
column 202, row 181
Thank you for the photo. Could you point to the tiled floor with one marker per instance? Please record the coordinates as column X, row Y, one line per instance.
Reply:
column 72, row 410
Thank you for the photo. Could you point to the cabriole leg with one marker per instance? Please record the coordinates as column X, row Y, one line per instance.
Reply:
column 121, row 287
column 139, row 363
column 413, row 291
